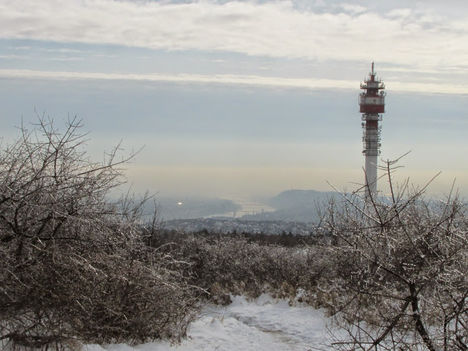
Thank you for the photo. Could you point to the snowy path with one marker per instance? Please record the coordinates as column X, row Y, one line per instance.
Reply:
column 264, row 324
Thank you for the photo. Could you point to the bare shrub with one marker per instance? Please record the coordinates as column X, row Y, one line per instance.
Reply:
column 401, row 272
column 73, row 264
column 227, row 264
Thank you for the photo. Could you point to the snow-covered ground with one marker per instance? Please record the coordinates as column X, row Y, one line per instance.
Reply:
column 264, row 324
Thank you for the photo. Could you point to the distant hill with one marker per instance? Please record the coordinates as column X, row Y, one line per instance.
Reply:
column 302, row 198
column 297, row 205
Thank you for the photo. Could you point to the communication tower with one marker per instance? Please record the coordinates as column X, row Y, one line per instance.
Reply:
column 372, row 104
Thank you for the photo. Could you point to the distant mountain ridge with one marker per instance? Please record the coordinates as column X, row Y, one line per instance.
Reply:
column 297, row 205
column 300, row 198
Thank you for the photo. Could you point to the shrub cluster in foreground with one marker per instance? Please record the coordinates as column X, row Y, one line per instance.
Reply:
column 234, row 264
column 401, row 271
column 73, row 264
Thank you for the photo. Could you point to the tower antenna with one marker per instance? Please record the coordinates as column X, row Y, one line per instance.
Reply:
column 372, row 104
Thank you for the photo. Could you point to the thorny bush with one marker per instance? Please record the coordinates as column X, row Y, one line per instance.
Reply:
column 73, row 263
column 230, row 264
column 401, row 271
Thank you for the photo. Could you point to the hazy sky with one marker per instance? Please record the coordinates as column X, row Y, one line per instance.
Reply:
column 236, row 98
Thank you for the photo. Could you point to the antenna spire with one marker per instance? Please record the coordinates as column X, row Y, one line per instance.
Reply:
column 372, row 104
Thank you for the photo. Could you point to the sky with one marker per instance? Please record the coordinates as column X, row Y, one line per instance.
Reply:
column 243, row 98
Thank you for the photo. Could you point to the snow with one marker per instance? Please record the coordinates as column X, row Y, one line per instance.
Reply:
column 263, row 324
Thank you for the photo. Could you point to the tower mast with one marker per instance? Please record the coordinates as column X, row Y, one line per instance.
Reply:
column 372, row 103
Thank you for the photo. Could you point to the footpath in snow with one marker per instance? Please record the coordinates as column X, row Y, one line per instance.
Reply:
column 263, row 324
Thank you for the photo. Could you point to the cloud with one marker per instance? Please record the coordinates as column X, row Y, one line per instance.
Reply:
column 250, row 80
column 352, row 8
column 274, row 29
column 13, row 57
column 399, row 13
column 231, row 79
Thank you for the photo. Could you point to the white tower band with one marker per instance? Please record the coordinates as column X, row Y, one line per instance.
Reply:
column 372, row 104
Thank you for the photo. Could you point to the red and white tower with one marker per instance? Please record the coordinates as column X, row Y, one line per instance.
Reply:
column 372, row 104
